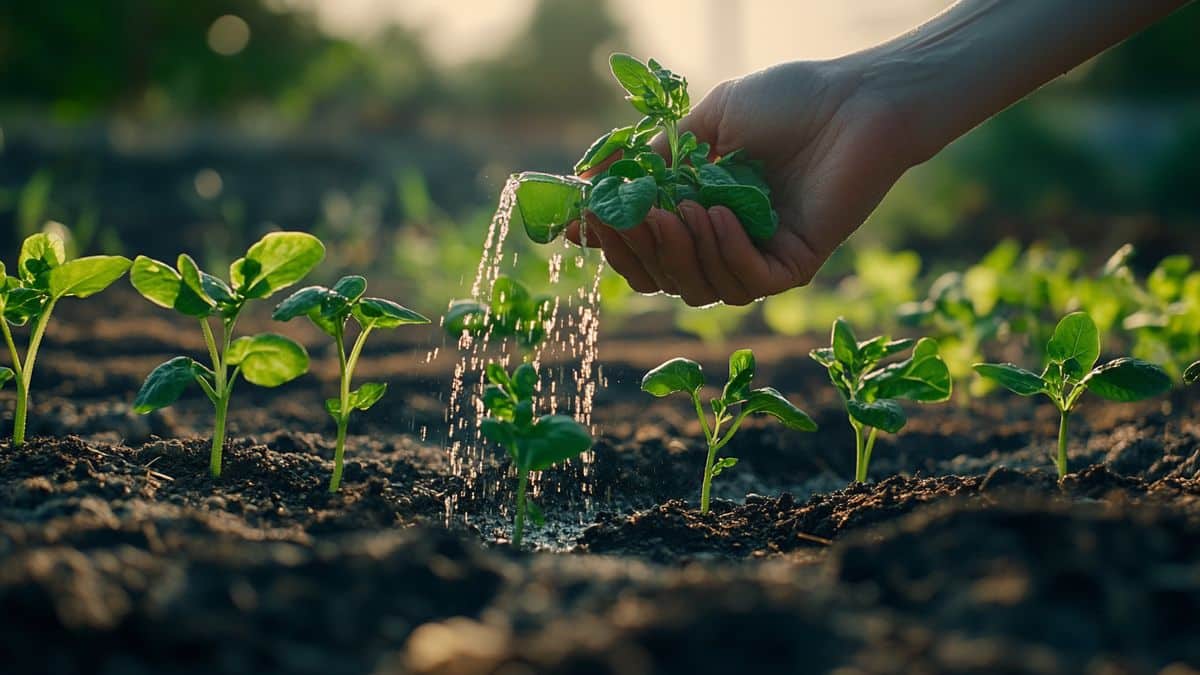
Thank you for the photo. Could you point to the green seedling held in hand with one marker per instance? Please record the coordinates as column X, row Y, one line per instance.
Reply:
column 533, row 444
column 871, row 392
column 685, row 375
column 275, row 262
column 44, row 276
column 1071, row 370
column 623, row 193
column 329, row 309
column 512, row 313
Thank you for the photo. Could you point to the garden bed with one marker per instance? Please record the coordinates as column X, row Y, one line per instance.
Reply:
column 120, row 555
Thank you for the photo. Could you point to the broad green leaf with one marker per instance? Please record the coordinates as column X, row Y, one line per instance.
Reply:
column 745, row 171
column 1075, row 338
column 300, row 303
column 924, row 377
column 500, row 432
column 1192, row 374
column 192, row 277
column 39, row 253
column 497, row 402
column 620, row 204
column 553, row 439
column 23, row 304
column 626, row 168
column 367, row 395
column 823, row 356
column 652, row 163
column 523, row 413
column 1128, row 379
column 1014, row 378
column 268, row 360
column 277, row 261
column 712, row 174
column 885, row 415
column 751, row 205
column 524, row 381
column 165, row 384
column 678, row 374
column 768, row 401
column 844, row 343
column 546, row 204
column 635, row 77
column 497, row 375
column 216, row 288
column 86, row 276
column 465, row 315
column 381, row 313
column 350, row 287
column 159, row 283
column 603, row 148
column 511, row 301
column 6, row 374
column 741, row 371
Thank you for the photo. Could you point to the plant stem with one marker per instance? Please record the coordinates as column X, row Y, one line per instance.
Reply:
column 861, row 472
column 222, row 386
column 338, row 454
column 26, row 374
column 1062, row 442
column 343, row 416
column 519, row 519
column 706, row 484
column 218, row 440
column 860, row 464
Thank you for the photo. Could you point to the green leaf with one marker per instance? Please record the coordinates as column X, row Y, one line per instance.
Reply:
column 1127, row 379
column 751, row 205
column 1192, row 374
column 524, row 381
column 523, row 413
column 1075, row 339
column 924, row 377
column 381, row 313
column 845, row 344
column 741, row 371
column 511, row 302
column 267, row 359
column 277, row 261
column 165, row 384
column 620, row 204
column 6, row 374
column 86, row 276
column 497, row 401
column 190, row 274
column 768, row 401
column 635, row 77
column 497, row 375
column 721, row 464
column 1014, row 378
column 216, row 289
column 553, row 439
column 712, row 174
column 626, row 168
column 300, row 303
column 159, row 283
column 500, row 432
column 360, row 399
column 823, row 356
column 603, row 148
column 886, row 415
column 465, row 315
column 350, row 287
column 22, row 304
column 678, row 374
column 39, row 253
column 546, row 203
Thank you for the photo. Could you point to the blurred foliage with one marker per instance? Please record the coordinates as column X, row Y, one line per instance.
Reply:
column 1158, row 63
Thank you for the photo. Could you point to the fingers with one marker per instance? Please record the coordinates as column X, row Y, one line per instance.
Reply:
column 790, row 261
column 678, row 259
column 622, row 259
column 577, row 229
column 720, row 278
column 644, row 244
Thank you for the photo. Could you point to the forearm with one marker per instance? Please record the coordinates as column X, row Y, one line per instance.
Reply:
column 980, row 56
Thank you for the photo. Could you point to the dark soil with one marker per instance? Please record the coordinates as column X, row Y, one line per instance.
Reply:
column 119, row 555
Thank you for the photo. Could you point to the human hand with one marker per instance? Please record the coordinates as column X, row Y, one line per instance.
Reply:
column 831, row 149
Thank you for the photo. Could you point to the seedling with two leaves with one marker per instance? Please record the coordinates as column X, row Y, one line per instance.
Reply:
column 685, row 375
column 871, row 392
column 1071, row 370
column 329, row 309
column 44, row 276
column 512, row 313
column 533, row 444
column 275, row 262
column 623, row 193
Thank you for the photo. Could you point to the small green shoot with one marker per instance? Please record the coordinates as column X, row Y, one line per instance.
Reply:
column 512, row 313
column 872, row 392
column 44, row 276
column 329, row 309
column 1071, row 370
column 623, row 193
column 685, row 375
column 533, row 444
column 275, row 262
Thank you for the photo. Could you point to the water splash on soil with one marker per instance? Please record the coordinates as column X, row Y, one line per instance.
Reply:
column 566, row 361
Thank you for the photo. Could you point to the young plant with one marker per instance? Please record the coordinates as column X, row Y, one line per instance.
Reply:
column 1071, row 370
column 275, row 262
column 329, row 309
column 42, row 278
column 622, row 194
column 533, row 444
column 512, row 313
column 685, row 375
column 871, row 392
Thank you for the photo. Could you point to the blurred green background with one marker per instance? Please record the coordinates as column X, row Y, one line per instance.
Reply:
column 149, row 126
